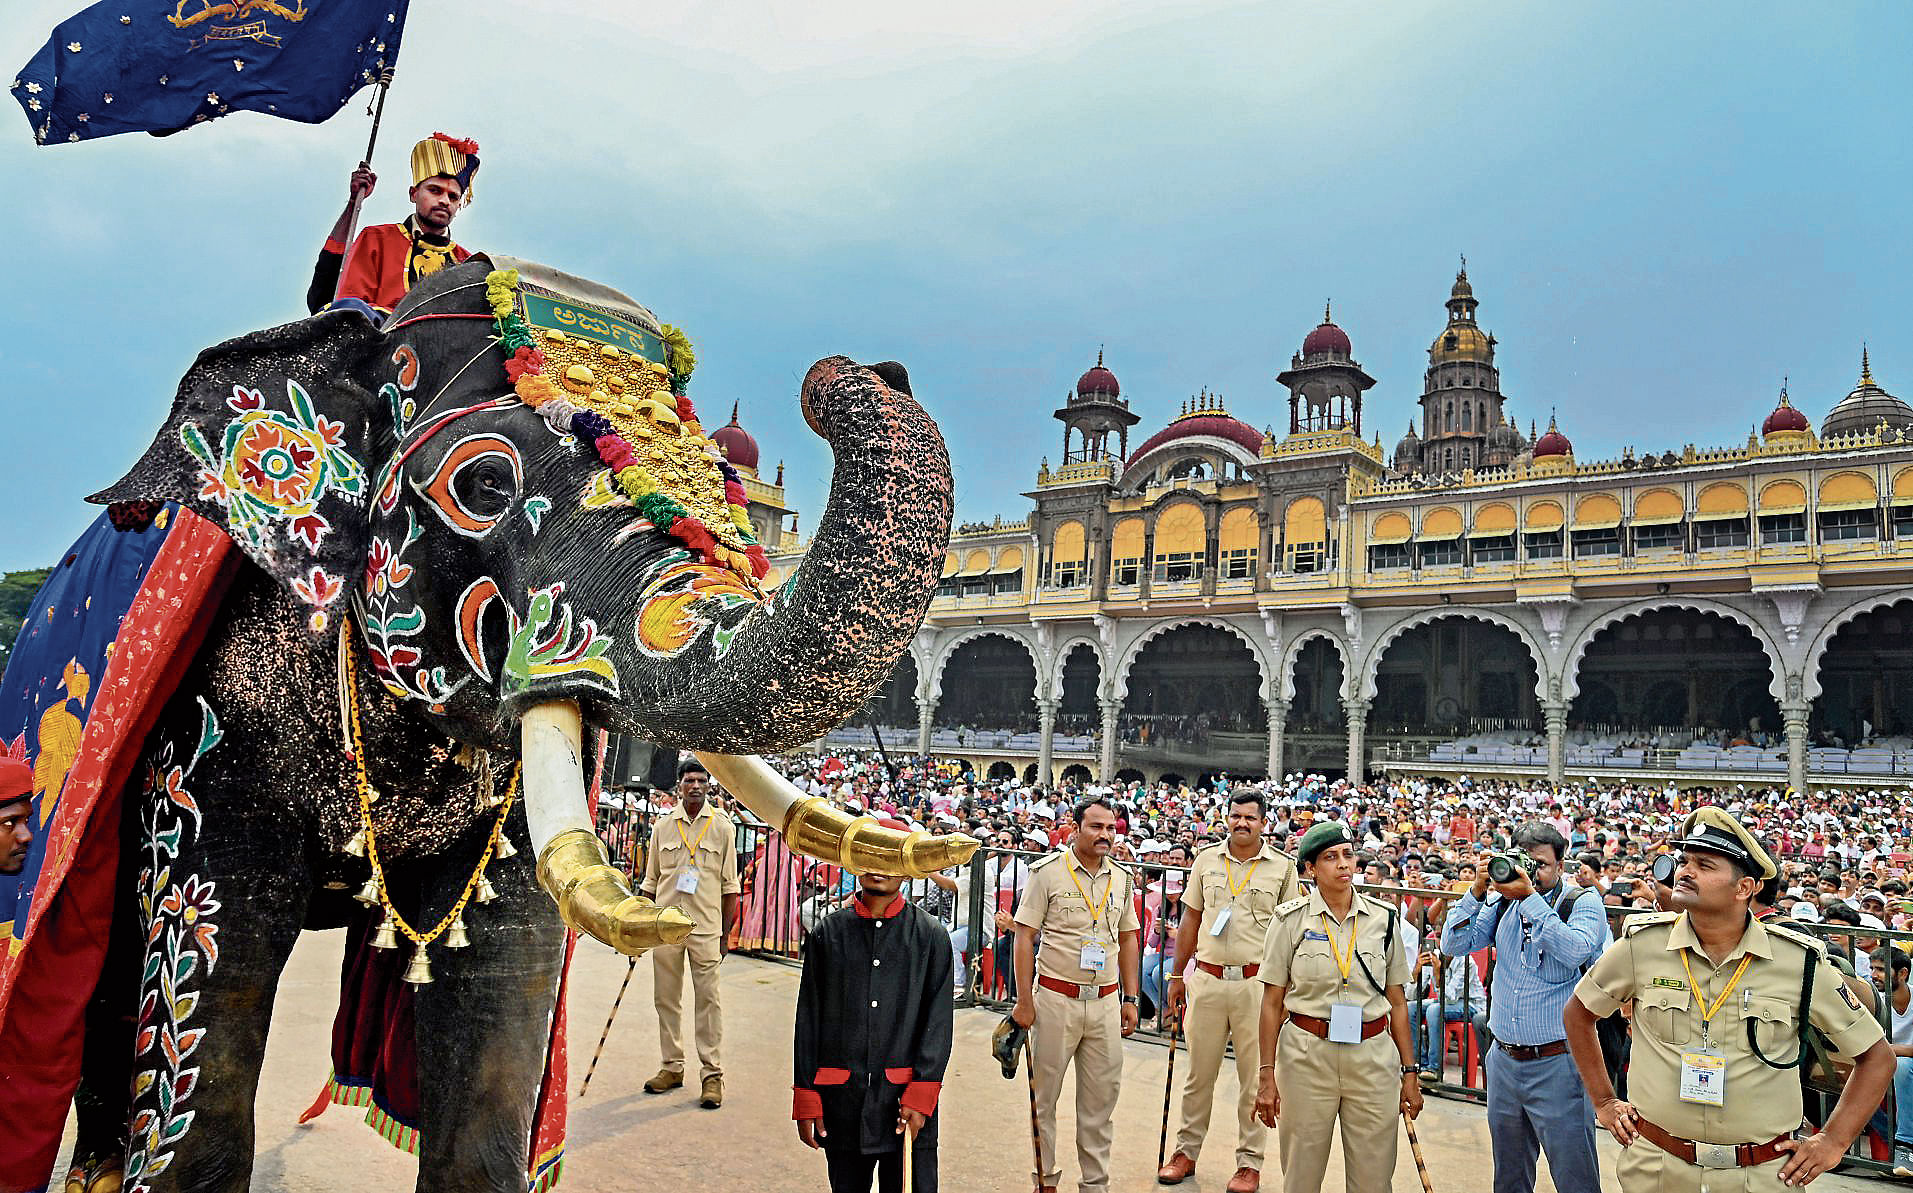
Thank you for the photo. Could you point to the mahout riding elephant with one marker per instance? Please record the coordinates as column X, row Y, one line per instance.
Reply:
column 448, row 572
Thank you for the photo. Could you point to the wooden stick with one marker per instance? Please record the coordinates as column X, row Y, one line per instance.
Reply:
column 1036, row 1130
column 1414, row 1147
column 1169, row 1083
column 352, row 223
column 909, row 1146
column 606, row 1034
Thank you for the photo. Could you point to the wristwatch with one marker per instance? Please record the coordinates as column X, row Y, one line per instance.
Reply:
column 1130, row 1000
column 1407, row 1069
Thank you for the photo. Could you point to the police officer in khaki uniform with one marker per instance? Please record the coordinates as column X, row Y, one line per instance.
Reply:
column 1718, row 1002
column 1235, row 887
column 1334, row 1030
column 1084, row 905
column 692, row 866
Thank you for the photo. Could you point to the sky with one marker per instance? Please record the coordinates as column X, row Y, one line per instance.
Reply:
column 1666, row 209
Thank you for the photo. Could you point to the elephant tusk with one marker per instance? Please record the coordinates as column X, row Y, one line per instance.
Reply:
column 816, row 828
column 573, row 867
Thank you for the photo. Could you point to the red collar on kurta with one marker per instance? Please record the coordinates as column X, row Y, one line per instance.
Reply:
column 863, row 909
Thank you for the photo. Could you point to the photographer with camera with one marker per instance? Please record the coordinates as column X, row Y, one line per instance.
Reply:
column 1545, row 932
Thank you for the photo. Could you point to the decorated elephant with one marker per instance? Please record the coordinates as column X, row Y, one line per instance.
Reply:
column 464, row 543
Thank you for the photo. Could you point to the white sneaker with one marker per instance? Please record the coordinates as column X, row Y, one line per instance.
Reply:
column 1902, row 1160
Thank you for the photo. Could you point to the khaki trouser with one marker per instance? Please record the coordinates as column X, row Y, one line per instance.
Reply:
column 1644, row 1166
column 667, row 991
column 1320, row 1082
column 1221, row 1010
column 1090, row 1032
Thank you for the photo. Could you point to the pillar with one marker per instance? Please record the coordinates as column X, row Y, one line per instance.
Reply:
column 1357, row 713
column 1555, row 713
column 1795, row 715
column 1112, row 710
column 1046, row 742
column 1278, row 721
column 926, row 719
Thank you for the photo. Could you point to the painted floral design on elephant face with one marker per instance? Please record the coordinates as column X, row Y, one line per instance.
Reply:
column 543, row 647
column 393, row 622
column 682, row 602
column 396, row 391
column 272, row 468
column 179, row 915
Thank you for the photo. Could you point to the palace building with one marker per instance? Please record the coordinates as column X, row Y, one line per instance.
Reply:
column 1472, row 600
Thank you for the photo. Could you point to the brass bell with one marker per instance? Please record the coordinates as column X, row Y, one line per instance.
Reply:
column 455, row 937
column 387, row 937
column 504, row 847
column 356, row 846
column 419, row 972
column 484, row 893
column 369, row 893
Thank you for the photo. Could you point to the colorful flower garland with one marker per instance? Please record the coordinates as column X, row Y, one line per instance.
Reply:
column 525, row 369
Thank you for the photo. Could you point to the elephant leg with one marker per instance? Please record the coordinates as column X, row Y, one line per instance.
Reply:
column 484, row 1021
column 223, row 882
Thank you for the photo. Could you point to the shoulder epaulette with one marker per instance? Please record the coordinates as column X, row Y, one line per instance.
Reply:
column 1293, row 905
column 1210, row 848
column 1647, row 919
column 1795, row 936
column 1045, row 860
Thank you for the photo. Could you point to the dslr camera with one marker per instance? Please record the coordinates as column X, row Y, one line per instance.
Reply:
column 1502, row 866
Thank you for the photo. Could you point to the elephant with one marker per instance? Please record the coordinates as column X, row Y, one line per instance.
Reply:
column 443, row 586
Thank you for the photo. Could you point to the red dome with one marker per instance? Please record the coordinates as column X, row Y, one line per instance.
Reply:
column 736, row 443
column 1098, row 381
column 1220, row 426
column 1552, row 443
column 1327, row 338
column 1785, row 418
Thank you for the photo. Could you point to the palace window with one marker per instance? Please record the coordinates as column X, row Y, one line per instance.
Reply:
column 1009, row 581
column 1440, row 553
column 1849, row 524
column 1590, row 543
column 947, row 587
column 1720, row 532
column 1494, row 550
column 1067, row 575
column 1305, row 557
column 1176, row 567
column 1387, row 556
column 1125, row 572
column 976, row 586
column 1779, row 529
column 1545, row 544
column 1238, row 564
column 1903, row 521
column 1668, row 536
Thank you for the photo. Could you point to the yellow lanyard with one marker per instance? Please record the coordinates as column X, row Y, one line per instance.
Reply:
column 1341, row 962
column 1096, row 916
column 1228, row 873
column 692, row 845
column 1707, row 1013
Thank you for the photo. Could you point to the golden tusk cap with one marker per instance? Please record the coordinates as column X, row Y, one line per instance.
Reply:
column 592, row 896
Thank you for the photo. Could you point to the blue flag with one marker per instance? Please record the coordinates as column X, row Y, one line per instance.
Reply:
column 159, row 66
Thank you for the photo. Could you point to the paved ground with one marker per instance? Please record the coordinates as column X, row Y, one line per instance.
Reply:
column 623, row 1139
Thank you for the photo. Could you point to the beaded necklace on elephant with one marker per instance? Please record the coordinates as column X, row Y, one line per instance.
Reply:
column 478, row 888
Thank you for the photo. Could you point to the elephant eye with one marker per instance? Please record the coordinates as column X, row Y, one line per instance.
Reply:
column 474, row 484
column 486, row 486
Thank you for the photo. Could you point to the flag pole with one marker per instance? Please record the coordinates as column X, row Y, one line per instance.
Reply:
column 352, row 208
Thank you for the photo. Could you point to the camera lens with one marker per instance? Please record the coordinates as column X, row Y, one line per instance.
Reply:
column 1500, row 869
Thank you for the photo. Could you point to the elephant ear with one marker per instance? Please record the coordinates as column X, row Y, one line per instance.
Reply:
column 271, row 436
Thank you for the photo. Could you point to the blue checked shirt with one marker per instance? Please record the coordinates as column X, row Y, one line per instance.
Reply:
column 1538, row 958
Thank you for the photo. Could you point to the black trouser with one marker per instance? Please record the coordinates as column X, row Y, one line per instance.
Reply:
column 850, row 1169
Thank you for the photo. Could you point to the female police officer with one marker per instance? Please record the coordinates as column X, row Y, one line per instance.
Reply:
column 1334, row 972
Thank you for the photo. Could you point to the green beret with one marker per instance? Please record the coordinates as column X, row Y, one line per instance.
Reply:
column 1322, row 836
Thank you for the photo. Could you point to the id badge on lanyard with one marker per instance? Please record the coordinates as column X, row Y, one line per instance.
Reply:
column 1703, row 1077
column 1222, row 919
column 1345, row 1023
column 1095, row 956
column 687, row 882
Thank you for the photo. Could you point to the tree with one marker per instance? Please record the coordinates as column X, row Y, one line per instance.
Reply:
column 16, row 596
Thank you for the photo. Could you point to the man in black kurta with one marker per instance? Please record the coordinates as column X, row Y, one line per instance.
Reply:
column 873, row 1038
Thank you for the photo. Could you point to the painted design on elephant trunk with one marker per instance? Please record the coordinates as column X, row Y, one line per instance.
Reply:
column 536, row 655
column 274, row 467
column 391, row 621
column 177, row 912
column 683, row 601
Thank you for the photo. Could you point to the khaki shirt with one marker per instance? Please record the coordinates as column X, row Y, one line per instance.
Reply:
column 1760, row 1102
column 1250, row 891
column 1061, row 899
column 1300, row 956
column 713, row 838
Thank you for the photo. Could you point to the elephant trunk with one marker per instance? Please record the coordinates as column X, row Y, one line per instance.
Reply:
column 759, row 677
column 574, row 869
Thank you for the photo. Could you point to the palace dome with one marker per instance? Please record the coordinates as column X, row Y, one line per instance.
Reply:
column 1213, row 422
column 1785, row 418
column 1098, row 381
column 1407, row 448
column 1866, row 407
column 1461, row 342
column 1505, row 438
column 1552, row 443
column 1327, row 339
column 736, row 443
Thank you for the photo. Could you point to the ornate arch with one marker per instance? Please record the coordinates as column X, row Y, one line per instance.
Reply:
column 1571, row 664
column 1372, row 664
column 1816, row 653
column 970, row 635
column 1060, row 659
column 1119, row 680
column 1285, row 679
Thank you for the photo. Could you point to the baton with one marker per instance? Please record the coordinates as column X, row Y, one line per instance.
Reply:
column 1414, row 1147
column 1036, row 1131
column 1162, row 1138
column 606, row 1034
column 909, row 1145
